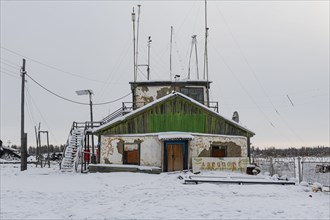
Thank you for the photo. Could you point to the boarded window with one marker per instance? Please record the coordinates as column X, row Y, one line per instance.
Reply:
column 218, row 151
column 322, row 168
column 194, row 93
column 131, row 153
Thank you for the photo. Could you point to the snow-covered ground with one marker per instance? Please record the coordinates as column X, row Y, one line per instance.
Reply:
column 46, row 193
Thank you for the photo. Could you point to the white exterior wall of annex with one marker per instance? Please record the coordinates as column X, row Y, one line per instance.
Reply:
column 151, row 147
column 203, row 142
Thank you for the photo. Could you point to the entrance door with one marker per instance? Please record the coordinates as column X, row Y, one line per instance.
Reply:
column 132, row 157
column 131, row 153
column 175, row 156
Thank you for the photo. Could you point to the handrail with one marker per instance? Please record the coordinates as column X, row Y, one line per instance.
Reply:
column 214, row 105
column 84, row 125
column 130, row 106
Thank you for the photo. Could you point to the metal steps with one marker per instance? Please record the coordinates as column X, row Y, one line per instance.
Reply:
column 74, row 145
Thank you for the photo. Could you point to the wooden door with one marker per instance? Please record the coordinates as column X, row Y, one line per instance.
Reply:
column 175, row 157
column 132, row 157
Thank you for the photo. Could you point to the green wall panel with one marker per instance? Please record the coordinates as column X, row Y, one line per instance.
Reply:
column 176, row 122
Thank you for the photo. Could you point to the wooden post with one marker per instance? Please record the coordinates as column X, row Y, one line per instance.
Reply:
column 93, row 159
column 248, row 148
column 23, row 135
column 99, row 149
column 271, row 167
column 48, row 157
column 299, row 170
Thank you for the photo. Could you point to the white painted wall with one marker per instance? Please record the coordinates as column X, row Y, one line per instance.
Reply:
column 201, row 142
column 151, row 147
column 141, row 94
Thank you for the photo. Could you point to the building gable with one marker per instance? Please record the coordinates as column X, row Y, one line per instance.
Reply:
column 175, row 112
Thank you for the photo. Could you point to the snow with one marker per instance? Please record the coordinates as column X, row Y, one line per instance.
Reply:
column 175, row 135
column 125, row 166
column 47, row 193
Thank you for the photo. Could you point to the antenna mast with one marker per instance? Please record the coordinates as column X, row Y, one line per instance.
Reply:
column 206, row 71
column 171, row 52
column 148, row 68
column 193, row 44
column 133, row 20
column 137, row 40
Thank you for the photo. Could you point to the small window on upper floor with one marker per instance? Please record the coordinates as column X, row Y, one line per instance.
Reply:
column 218, row 151
column 194, row 93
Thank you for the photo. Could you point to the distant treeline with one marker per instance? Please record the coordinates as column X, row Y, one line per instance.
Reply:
column 43, row 149
column 319, row 151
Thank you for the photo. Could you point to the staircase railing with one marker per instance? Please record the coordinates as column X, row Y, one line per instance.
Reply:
column 85, row 126
column 124, row 109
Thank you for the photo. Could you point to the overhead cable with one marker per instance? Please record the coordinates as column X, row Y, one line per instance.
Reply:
column 69, row 100
column 52, row 67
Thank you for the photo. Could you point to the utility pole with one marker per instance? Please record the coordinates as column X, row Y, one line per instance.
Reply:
column 23, row 134
column 91, row 112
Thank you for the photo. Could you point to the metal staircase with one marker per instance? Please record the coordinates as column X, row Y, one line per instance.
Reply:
column 76, row 154
column 72, row 152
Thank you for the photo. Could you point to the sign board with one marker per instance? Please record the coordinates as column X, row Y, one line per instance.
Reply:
column 237, row 164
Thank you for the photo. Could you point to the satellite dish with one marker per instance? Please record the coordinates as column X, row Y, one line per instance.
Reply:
column 235, row 116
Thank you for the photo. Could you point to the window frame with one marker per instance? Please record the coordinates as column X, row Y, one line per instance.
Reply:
column 219, row 147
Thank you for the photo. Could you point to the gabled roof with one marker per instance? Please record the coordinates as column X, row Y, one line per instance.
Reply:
column 161, row 100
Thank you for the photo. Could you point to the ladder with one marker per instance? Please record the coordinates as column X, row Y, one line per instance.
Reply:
column 72, row 152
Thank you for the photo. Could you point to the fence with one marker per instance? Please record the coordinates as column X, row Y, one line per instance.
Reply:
column 316, row 170
column 308, row 169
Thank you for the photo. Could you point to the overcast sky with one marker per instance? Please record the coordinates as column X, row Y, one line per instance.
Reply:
column 261, row 53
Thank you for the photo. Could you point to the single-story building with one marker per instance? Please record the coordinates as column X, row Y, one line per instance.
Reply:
column 169, row 132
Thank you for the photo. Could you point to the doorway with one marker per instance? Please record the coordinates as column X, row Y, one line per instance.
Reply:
column 175, row 155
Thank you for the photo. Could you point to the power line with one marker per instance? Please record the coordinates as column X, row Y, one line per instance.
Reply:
column 43, row 118
column 59, row 96
column 8, row 64
column 52, row 67
column 69, row 100
column 28, row 106
column 246, row 60
column 255, row 75
column 9, row 70
column 10, row 74
column 246, row 91
column 109, row 102
column 11, row 62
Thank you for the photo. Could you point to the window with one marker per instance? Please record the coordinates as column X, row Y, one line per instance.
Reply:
column 322, row 168
column 131, row 153
column 194, row 93
column 218, row 151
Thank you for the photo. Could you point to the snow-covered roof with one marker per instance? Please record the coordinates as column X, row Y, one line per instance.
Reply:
column 175, row 136
column 171, row 81
column 124, row 117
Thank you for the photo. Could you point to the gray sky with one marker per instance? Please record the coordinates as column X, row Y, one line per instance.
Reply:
column 260, row 52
